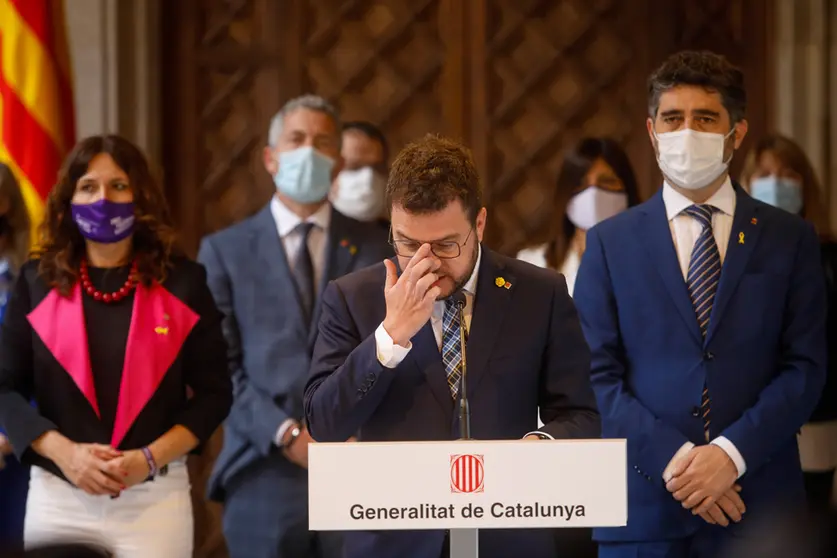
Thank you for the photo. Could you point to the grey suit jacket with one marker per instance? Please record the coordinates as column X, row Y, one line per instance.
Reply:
column 269, row 345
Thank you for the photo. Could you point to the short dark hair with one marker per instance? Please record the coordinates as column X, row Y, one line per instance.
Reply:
column 703, row 69
column 430, row 173
column 371, row 131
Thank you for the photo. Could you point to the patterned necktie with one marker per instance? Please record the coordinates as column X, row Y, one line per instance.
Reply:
column 303, row 271
column 702, row 282
column 451, row 346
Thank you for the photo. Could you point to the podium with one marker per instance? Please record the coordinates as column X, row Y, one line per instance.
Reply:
column 468, row 485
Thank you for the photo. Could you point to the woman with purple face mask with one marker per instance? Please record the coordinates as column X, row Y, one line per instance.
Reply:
column 116, row 337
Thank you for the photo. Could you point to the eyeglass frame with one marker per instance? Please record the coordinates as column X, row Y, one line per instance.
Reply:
column 394, row 243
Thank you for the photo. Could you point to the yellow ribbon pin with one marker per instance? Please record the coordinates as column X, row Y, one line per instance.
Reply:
column 500, row 282
column 159, row 330
column 741, row 238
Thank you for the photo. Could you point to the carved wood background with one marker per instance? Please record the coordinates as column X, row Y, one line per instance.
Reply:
column 518, row 80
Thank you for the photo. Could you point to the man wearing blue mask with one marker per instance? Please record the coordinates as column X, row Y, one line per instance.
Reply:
column 266, row 274
column 704, row 310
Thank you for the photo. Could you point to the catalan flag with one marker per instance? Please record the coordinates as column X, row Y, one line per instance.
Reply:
column 37, row 124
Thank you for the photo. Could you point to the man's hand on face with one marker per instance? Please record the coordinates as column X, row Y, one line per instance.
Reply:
column 410, row 297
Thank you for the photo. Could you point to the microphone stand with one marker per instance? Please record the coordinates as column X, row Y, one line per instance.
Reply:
column 464, row 543
column 464, row 407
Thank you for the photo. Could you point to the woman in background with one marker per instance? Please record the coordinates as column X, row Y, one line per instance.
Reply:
column 595, row 183
column 14, row 247
column 116, row 337
column 779, row 173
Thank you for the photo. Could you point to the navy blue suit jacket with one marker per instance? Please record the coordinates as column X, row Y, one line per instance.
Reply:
column 763, row 359
column 525, row 350
column 269, row 345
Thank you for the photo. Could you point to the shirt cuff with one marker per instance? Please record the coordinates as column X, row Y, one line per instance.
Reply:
column 390, row 355
column 733, row 453
column 280, row 433
column 540, row 433
column 684, row 449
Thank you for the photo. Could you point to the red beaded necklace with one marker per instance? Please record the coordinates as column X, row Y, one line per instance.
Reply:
column 107, row 298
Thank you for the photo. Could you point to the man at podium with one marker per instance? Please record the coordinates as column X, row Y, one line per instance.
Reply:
column 388, row 362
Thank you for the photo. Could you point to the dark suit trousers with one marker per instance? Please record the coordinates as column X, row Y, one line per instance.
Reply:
column 266, row 514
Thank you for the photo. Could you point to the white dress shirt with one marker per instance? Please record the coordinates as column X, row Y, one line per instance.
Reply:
column 685, row 231
column 286, row 224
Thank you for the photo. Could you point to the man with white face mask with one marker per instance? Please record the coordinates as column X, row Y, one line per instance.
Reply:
column 266, row 274
column 358, row 191
column 705, row 314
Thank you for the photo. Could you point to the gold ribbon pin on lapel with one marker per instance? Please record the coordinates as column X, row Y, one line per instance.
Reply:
column 741, row 238
column 160, row 330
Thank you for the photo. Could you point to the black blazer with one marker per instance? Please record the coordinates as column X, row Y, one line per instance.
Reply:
column 174, row 367
column 525, row 351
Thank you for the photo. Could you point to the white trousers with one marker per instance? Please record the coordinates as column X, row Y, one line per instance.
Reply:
column 152, row 519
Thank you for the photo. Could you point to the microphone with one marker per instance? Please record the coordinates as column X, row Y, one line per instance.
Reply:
column 464, row 408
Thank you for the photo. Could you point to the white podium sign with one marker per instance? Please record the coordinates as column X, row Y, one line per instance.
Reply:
column 467, row 485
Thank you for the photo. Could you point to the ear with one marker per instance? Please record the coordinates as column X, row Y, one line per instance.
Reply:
column 482, row 216
column 740, row 132
column 270, row 160
column 649, row 124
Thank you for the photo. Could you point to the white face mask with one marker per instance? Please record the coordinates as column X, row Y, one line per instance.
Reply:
column 360, row 194
column 691, row 159
column 593, row 205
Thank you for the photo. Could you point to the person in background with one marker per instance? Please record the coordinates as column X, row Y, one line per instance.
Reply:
column 778, row 172
column 116, row 338
column 596, row 182
column 267, row 274
column 14, row 247
column 358, row 190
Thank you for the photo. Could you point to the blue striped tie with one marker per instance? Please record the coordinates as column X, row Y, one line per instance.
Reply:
column 702, row 282
column 451, row 346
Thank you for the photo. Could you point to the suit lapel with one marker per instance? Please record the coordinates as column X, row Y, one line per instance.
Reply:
column 340, row 253
column 160, row 324
column 489, row 311
column 426, row 355
column 273, row 261
column 656, row 237
column 742, row 239
column 59, row 322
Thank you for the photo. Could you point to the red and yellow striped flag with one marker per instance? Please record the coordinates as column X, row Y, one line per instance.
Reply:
column 37, row 123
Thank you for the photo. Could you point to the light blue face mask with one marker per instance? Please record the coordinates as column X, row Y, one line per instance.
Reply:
column 785, row 193
column 304, row 175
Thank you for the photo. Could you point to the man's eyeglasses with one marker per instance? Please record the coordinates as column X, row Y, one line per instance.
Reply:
column 446, row 250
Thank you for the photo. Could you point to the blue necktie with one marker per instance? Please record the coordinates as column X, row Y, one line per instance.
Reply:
column 451, row 346
column 702, row 282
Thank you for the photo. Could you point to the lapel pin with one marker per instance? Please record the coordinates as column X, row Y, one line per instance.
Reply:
column 166, row 317
column 160, row 330
column 344, row 242
column 507, row 285
column 353, row 249
column 500, row 282
column 754, row 221
column 741, row 238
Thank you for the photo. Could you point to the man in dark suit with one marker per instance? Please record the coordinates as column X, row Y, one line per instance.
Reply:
column 387, row 360
column 266, row 274
column 705, row 314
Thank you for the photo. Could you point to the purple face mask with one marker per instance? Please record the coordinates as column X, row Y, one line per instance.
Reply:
column 104, row 221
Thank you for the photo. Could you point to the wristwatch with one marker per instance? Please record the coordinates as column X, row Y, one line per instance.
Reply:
column 294, row 432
